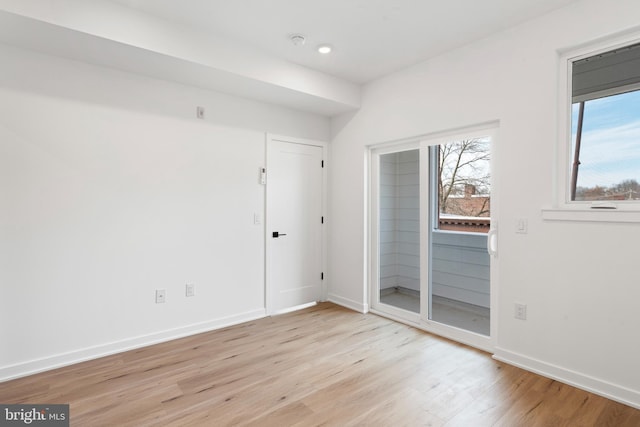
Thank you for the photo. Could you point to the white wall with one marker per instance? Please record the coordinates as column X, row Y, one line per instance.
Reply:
column 579, row 280
column 110, row 188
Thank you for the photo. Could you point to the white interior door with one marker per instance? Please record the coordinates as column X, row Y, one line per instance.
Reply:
column 294, row 224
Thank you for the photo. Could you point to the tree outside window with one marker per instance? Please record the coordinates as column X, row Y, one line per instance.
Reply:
column 464, row 185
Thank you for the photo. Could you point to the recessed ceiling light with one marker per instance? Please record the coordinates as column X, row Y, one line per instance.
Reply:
column 297, row 39
column 324, row 48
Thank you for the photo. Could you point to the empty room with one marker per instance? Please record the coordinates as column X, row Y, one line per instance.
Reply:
column 337, row 212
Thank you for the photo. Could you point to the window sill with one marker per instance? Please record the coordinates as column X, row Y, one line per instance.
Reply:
column 591, row 215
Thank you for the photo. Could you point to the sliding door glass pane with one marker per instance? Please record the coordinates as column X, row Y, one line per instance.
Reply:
column 459, row 261
column 400, row 230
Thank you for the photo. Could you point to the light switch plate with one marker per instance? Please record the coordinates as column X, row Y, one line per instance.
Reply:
column 522, row 226
column 160, row 296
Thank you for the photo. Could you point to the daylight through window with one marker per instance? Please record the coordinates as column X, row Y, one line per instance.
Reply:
column 605, row 131
column 464, row 187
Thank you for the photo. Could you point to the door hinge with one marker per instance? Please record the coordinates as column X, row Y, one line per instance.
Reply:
column 321, row 276
column 322, row 164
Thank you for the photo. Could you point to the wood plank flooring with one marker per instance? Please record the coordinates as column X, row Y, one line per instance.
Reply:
column 325, row 366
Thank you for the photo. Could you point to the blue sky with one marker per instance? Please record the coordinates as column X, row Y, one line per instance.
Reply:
column 610, row 149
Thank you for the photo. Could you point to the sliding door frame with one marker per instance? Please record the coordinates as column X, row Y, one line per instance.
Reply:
column 421, row 320
column 374, row 226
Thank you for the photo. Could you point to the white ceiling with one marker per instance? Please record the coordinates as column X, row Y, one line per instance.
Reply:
column 371, row 38
column 242, row 47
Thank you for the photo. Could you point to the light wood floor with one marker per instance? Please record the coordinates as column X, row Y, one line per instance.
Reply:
column 321, row 366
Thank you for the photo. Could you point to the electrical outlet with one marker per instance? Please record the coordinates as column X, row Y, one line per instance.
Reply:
column 190, row 289
column 160, row 296
column 520, row 311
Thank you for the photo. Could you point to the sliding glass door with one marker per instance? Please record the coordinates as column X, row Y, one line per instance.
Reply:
column 430, row 229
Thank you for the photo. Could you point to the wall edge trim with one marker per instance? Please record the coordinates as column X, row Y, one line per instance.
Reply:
column 32, row 367
column 349, row 303
column 582, row 381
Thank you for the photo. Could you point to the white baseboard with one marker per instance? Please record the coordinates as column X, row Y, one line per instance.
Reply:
column 349, row 303
column 295, row 308
column 57, row 361
column 585, row 382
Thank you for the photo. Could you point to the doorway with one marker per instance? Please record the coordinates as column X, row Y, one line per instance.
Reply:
column 431, row 224
column 294, row 226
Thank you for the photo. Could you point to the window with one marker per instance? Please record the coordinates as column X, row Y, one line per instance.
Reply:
column 605, row 127
column 606, row 148
column 463, row 180
column 598, row 146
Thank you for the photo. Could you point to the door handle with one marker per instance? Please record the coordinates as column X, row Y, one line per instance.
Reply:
column 492, row 243
column 277, row 234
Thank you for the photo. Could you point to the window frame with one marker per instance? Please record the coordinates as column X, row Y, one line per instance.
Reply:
column 563, row 208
